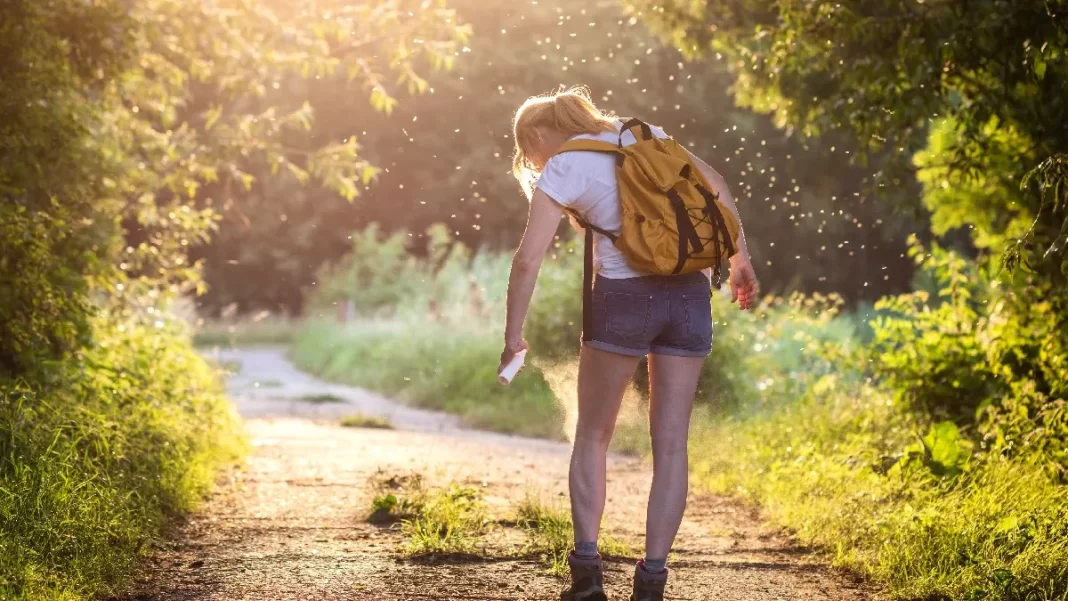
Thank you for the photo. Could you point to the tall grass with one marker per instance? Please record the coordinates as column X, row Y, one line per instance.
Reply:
column 97, row 453
column 435, row 343
column 430, row 364
column 550, row 534
column 430, row 333
column 787, row 415
column 448, row 520
column 833, row 466
column 244, row 332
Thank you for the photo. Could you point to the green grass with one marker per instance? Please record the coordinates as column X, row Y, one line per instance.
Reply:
column 442, row 521
column 449, row 521
column 397, row 498
column 366, row 421
column 453, row 520
column 445, row 366
column 224, row 368
column 321, row 399
column 786, row 417
column 551, row 535
column 99, row 458
column 818, row 467
column 267, row 331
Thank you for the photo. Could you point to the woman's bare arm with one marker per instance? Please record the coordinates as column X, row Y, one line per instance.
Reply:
column 542, row 223
column 719, row 186
column 743, row 282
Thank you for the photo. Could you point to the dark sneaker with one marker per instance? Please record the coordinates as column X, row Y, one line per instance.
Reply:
column 648, row 587
column 587, row 579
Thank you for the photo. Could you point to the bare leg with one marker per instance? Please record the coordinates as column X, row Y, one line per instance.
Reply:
column 603, row 378
column 672, row 385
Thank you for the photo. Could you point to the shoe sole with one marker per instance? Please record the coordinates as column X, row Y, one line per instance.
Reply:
column 587, row 595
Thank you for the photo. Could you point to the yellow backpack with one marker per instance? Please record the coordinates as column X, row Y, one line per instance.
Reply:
column 672, row 222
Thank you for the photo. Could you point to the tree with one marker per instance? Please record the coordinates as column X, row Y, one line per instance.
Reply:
column 988, row 76
column 965, row 97
column 118, row 115
column 445, row 158
column 55, row 59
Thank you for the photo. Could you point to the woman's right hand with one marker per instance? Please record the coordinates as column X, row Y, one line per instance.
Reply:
column 510, row 351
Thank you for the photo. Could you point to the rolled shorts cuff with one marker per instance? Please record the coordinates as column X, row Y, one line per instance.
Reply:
column 675, row 352
column 612, row 348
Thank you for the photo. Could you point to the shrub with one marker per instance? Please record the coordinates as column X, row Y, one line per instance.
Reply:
column 913, row 504
column 439, row 365
column 976, row 355
column 94, row 459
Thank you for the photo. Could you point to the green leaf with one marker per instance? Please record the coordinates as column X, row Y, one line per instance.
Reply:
column 212, row 117
column 300, row 174
column 1002, row 577
column 1040, row 68
column 1007, row 524
column 381, row 101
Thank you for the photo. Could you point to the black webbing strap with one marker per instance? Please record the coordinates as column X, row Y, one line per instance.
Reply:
column 647, row 132
column 719, row 224
column 688, row 237
column 721, row 237
column 587, row 287
column 587, row 272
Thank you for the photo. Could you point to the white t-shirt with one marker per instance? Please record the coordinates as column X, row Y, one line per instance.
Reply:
column 586, row 182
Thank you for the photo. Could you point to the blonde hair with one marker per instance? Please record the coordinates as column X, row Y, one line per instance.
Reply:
column 568, row 111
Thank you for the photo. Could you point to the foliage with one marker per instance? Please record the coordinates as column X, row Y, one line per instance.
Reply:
column 94, row 462
column 934, row 356
column 970, row 95
column 366, row 421
column 760, row 356
column 397, row 498
column 256, row 330
column 449, row 521
column 551, row 535
column 428, row 330
column 148, row 147
column 911, row 503
column 444, row 159
column 380, row 274
column 821, row 67
column 52, row 233
column 973, row 354
column 123, row 125
column 445, row 366
column 220, row 104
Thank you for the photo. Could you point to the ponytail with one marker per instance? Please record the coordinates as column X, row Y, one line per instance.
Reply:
column 570, row 112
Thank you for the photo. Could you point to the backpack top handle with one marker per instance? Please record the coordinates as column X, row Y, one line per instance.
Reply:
column 647, row 132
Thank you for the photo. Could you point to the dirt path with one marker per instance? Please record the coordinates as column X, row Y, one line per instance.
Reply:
column 293, row 525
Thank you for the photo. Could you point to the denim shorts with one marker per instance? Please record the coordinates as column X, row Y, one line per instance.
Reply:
column 662, row 315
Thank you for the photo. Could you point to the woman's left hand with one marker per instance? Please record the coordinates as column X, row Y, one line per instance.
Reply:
column 743, row 281
column 510, row 351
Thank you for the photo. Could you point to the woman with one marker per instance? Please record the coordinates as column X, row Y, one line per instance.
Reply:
column 635, row 314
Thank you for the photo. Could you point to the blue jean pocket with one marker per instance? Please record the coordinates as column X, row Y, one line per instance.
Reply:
column 698, row 317
column 627, row 315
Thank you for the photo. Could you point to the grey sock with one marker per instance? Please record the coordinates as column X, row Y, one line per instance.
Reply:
column 654, row 566
column 586, row 550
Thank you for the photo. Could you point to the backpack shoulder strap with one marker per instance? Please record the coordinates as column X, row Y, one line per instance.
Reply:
column 587, row 259
column 587, row 145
